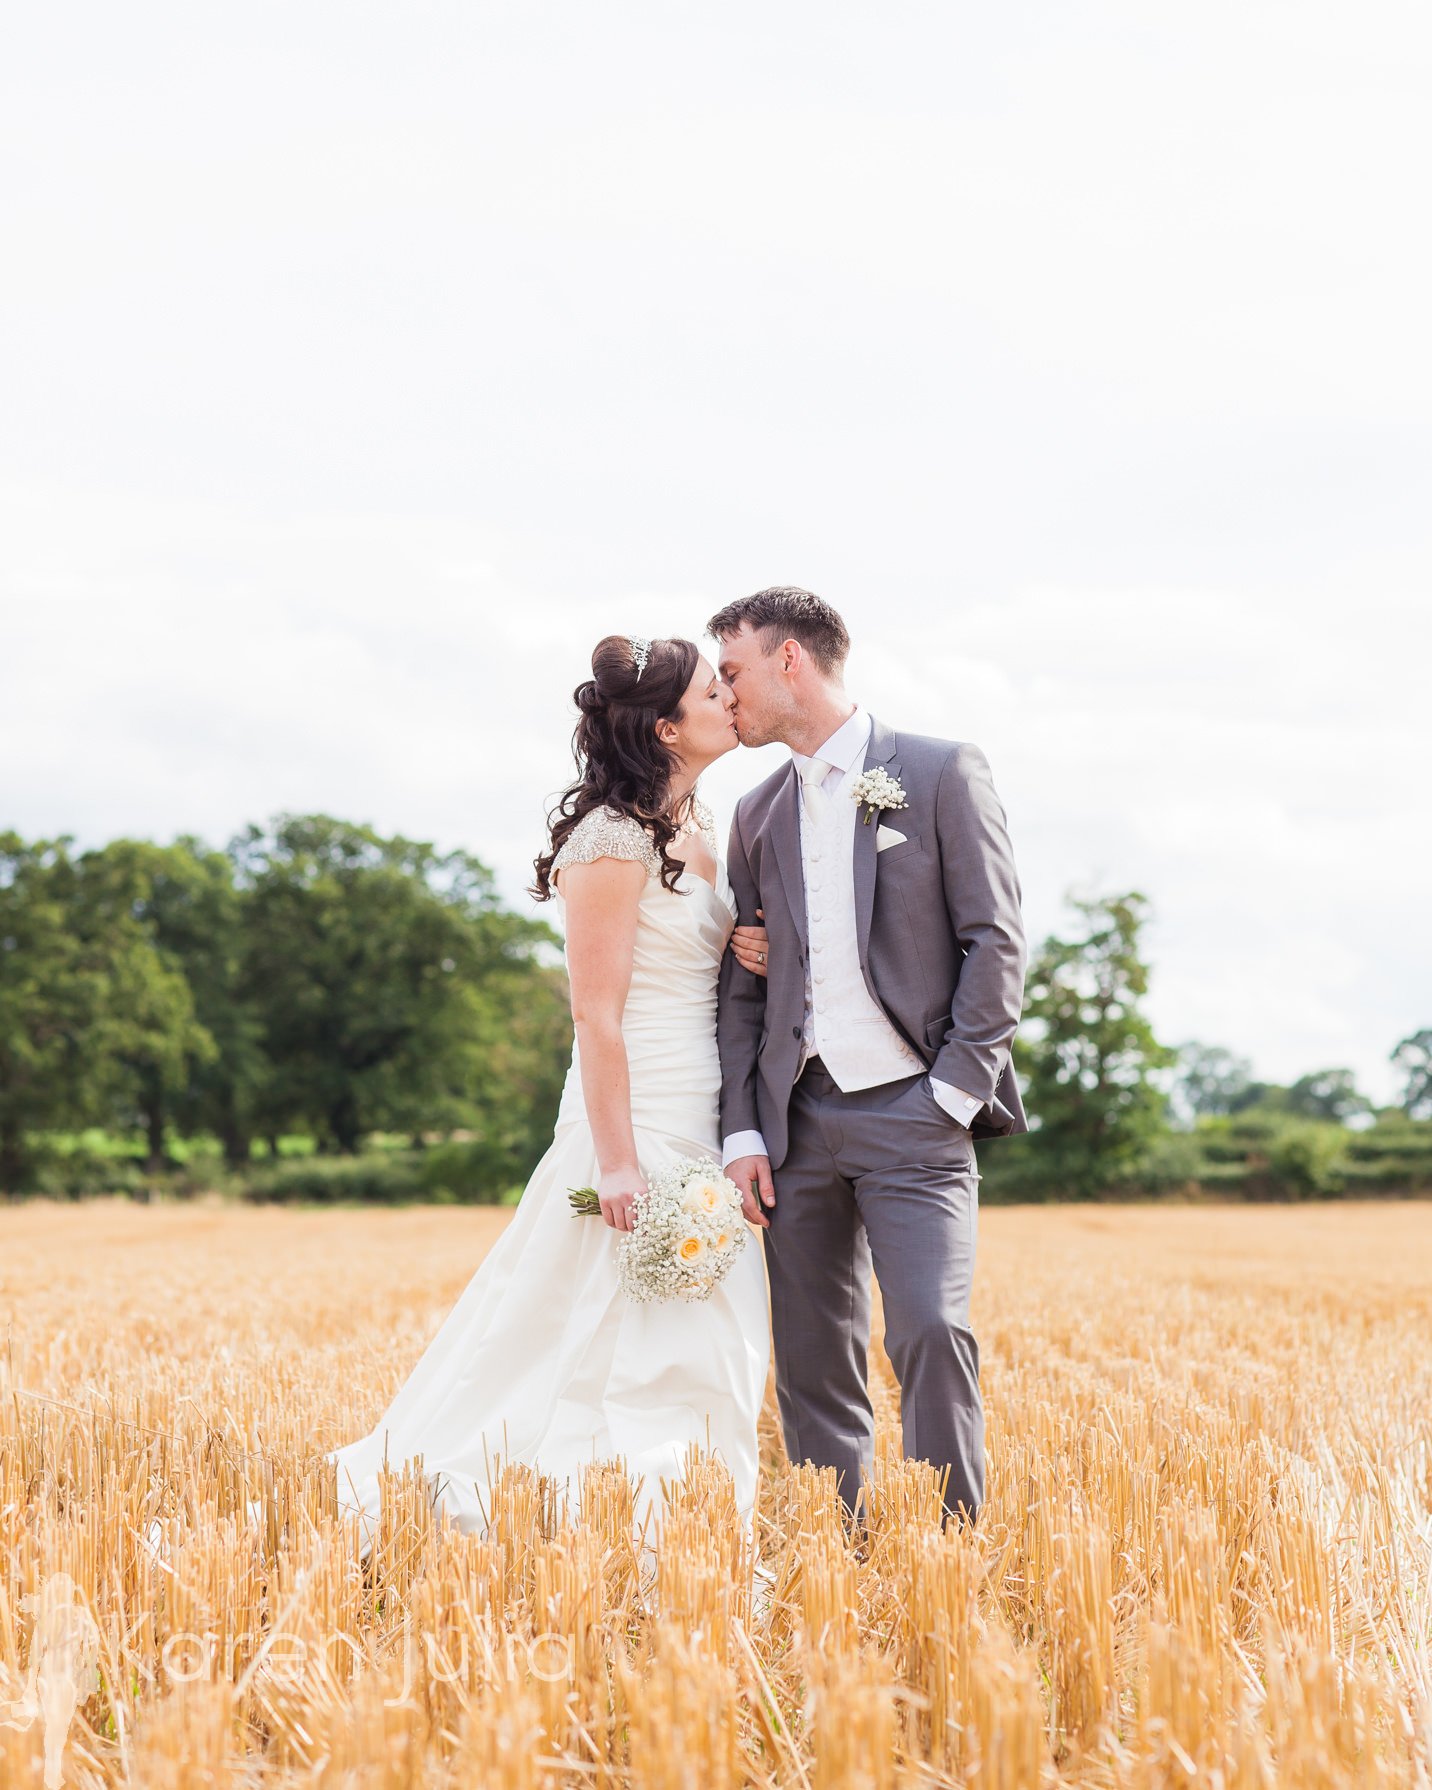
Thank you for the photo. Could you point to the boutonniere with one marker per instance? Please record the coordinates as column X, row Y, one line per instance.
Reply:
column 876, row 790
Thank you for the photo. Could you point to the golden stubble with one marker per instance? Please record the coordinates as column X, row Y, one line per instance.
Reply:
column 1205, row 1557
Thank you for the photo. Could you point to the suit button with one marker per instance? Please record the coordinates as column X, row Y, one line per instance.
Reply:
column 795, row 1031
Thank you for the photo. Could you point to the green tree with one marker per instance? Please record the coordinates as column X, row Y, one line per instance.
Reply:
column 193, row 910
column 1210, row 1080
column 52, row 992
column 1327, row 1094
column 1262, row 1097
column 132, row 893
column 1087, row 1053
column 1307, row 1157
column 1413, row 1056
column 377, row 967
column 93, row 1016
column 526, row 1048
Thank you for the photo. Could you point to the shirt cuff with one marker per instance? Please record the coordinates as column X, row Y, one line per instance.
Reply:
column 742, row 1143
column 956, row 1102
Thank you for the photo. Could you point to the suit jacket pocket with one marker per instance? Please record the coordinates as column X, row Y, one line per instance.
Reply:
column 935, row 1031
column 893, row 853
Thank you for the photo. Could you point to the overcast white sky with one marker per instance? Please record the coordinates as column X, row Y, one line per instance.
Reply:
column 364, row 363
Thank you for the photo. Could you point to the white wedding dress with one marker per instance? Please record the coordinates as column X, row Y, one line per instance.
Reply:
column 543, row 1359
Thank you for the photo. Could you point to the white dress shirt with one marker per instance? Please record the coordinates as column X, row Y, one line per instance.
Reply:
column 842, row 1023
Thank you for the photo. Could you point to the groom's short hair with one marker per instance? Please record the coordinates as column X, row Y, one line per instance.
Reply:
column 786, row 612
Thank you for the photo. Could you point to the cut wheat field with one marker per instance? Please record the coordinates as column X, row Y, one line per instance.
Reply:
column 1205, row 1559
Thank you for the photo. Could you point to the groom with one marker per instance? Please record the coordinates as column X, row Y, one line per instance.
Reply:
column 856, row 1074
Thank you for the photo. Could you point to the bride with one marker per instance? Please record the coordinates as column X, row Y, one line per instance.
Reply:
column 543, row 1359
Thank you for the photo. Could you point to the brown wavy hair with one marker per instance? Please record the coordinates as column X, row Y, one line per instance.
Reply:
column 621, row 764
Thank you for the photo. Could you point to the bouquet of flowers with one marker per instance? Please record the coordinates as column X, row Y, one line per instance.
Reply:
column 687, row 1229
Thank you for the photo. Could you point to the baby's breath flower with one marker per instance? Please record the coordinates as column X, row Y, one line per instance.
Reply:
column 687, row 1229
column 876, row 790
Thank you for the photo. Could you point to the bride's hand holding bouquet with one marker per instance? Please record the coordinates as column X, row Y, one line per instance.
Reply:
column 686, row 1228
column 617, row 1192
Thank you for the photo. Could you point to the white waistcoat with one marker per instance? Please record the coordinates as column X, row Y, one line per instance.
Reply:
column 844, row 1026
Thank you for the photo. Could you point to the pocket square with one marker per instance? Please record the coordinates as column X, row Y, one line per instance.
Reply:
column 888, row 836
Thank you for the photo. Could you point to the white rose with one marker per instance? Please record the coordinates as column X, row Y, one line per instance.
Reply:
column 702, row 1195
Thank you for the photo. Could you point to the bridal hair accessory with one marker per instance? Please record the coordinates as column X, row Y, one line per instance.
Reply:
column 876, row 790
column 687, row 1229
column 640, row 652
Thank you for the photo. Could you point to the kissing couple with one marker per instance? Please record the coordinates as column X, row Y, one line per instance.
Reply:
column 829, row 1012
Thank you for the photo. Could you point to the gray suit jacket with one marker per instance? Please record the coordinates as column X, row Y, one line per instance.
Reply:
column 938, row 921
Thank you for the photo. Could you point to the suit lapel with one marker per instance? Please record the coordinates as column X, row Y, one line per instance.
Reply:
column 783, row 842
column 880, row 750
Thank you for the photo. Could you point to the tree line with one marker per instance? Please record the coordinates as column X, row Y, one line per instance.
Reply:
column 311, row 977
column 1114, row 1109
column 316, row 984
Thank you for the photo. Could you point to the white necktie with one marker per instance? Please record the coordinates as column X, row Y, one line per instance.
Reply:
column 814, row 772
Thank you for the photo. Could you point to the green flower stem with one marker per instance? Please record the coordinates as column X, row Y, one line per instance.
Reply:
column 585, row 1201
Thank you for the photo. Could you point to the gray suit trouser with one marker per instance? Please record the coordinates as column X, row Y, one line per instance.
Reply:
column 885, row 1174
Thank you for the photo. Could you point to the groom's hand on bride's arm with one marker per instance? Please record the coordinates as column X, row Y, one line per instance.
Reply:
column 752, row 1174
column 749, row 946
